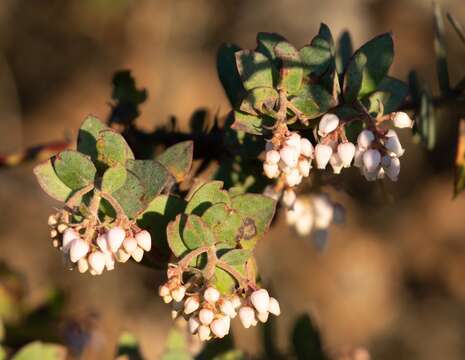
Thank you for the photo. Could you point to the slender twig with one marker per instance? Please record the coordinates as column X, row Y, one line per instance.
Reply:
column 186, row 260
column 241, row 279
column 93, row 209
column 120, row 214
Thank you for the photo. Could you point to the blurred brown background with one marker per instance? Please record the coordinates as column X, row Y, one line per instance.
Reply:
column 392, row 278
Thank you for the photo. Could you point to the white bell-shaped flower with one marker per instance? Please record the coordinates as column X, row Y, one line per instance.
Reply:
column 328, row 123
column 371, row 160
column 304, row 167
column 306, row 148
column 391, row 166
column 247, row 316
column 271, row 170
column 294, row 141
column 365, row 138
column 220, row 327
column 97, row 261
column 102, row 243
column 228, row 309
column 144, row 240
column 109, row 261
column 211, row 295
column 130, row 244
column 392, row 144
column 260, row 300
column 272, row 157
column 274, row 307
column 79, row 248
column 190, row 305
column 293, row 178
column 115, row 238
column 178, row 293
column 336, row 163
column 289, row 155
column 83, row 265
column 206, row 316
column 138, row 254
column 204, row 333
column 68, row 236
column 322, row 155
column 346, row 152
column 402, row 120
column 193, row 324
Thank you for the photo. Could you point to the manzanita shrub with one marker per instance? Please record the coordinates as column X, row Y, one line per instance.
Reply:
column 296, row 113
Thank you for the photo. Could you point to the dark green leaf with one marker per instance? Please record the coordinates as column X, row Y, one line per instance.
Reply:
column 236, row 256
column 255, row 69
column 313, row 100
column 88, row 134
column 113, row 178
column 112, row 149
column 205, row 196
column 291, row 73
column 225, row 223
column 178, row 159
column 173, row 234
column 266, row 43
column 50, row 182
column 251, row 124
column 353, row 77
column 196, row 233
column 75, row 169
column 315, row 60
column 131, row 195
column 151, row 174
column 391, row 93
column 344, row 52
column 262, row 100
column 228, row 73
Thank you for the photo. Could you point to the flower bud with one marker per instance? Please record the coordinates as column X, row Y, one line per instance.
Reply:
column 115, row 238
column 211, row 295
column 274, row 307
column 306, row 147
column 328, row 123
column 260, row 300
column 365, row 138
column 293, row 178
column 294, row 141
column 138, row 254
column 272, row 157
column 204, row 333
column 371, row 160
column 322, row 155
column 52, row 220
column 79, row 248
column 358, row 157
column 122, row 256
column 263, row 316
column 130, row 244
column 220, row 327
column 193, row 324
column 190, row 305
column 247, row 316
column 271, row 170
column 178, row 293
column 402, row 120
column 68, row 236
column 83, row 265
column 206, row 316
column 163, row 290
column 167, row 299
column 324, row 211
column 392, row 144
column 61, row 228
column 227, row 308
column 144, row 240
column 288, row 198
column 336, row 163
column 102, row 243
column 97, row 261
column 304, row 167
column 346, row 152
column 236, row 301
column 289, row 155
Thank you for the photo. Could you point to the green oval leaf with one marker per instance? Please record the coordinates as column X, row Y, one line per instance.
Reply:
column 291, row 72
column 50, row 182
column 113, row 178
column 131, row 195
column 152, row 175
column 75, row 169
column 88, row 134
column 255, row 69
column 226, row 223
column 205, row 196
column 178, row 159
column 353, row 77
column 112, row 149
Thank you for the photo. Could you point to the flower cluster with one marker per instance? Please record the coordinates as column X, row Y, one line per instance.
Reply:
column 289, row 157
column 314, row 213
column 209, row 313
column 97, row 249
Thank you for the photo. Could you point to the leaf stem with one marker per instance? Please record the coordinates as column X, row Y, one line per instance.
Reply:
column 120, row 214
column 243, row 281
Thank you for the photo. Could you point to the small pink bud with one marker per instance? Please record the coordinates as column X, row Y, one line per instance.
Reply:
column 274, row 307
column 322, row 155
column 138, row 254
column 178, row 293
column 211, row 295
column 130, row 244
column 371, row 160
column 365, row 138
column 79, row 248
column 144, row 240
column 247, row 316
column 271, row 170
column 190, row 305
column 68, row 236
column 204, row 333
column 115, row 237
column 346, row 152
column 272, row 157
column 306, row 148
column 402, row 120
column 328, row 123
column 220, row 327
column 193, row 324
column 97, row 261
column 206, row 316
column 289, row 155
column 260, row 300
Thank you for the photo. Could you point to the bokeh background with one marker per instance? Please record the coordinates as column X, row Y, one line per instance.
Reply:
column 392, row 279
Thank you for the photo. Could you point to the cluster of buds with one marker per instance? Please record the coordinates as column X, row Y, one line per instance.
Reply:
column 289, row 158
column 314, row 213
column 378, row 150
column 99, row 248
column 208, row 313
